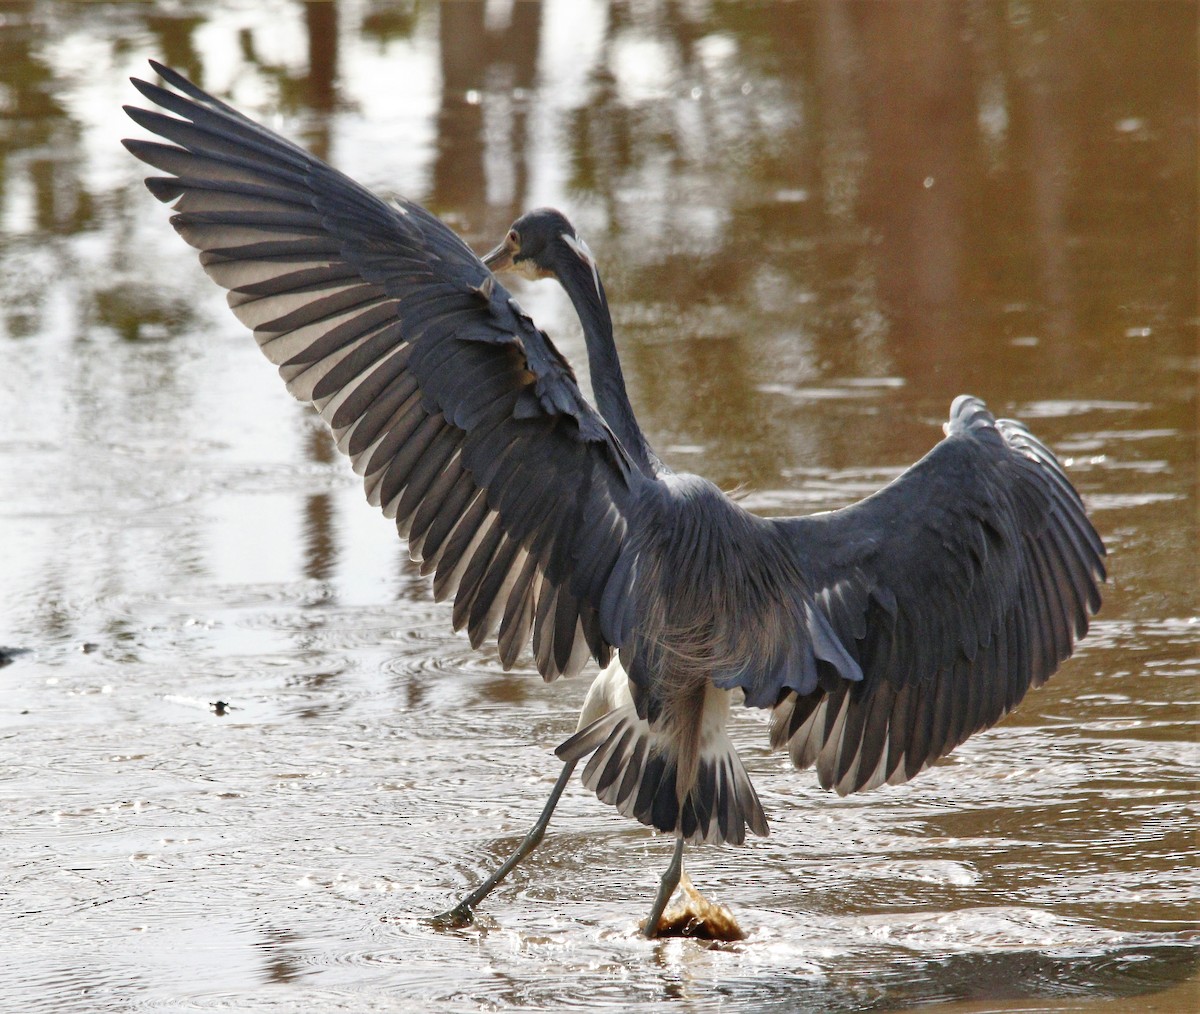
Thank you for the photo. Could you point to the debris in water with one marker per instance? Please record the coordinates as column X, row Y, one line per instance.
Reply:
column 8, row 655
column 693, row 915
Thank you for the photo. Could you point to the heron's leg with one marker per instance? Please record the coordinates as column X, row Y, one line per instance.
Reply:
column 463, row 913
column 666, row 887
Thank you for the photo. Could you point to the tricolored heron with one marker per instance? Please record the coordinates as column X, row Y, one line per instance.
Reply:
column 880, row 636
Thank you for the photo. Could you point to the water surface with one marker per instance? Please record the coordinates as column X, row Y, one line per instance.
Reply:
column 817, row 223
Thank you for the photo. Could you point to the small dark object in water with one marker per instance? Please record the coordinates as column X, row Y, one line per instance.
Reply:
column 221, row 707
column 9, row 655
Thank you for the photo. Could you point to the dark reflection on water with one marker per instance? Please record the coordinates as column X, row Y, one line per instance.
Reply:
column 818, row 222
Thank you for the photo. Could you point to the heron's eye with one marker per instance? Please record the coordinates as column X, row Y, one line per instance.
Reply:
column 514, row 237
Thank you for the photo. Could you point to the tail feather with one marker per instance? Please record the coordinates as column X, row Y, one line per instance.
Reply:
column 633, row 768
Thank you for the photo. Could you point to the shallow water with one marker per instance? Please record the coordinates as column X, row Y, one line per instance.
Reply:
column 817, row 223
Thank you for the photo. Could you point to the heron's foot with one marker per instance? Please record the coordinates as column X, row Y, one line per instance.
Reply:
column 693, row 915
column 458, row 917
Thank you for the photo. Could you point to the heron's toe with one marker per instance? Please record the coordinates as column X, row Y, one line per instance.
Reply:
column 458, row 917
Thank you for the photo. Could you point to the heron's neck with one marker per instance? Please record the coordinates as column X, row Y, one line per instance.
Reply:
column 608, row 380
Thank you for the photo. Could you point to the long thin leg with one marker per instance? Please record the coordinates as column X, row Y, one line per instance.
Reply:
column 666, row 887
column 463, row 914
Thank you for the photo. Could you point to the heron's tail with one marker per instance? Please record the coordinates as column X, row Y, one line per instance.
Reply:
column 635, row 766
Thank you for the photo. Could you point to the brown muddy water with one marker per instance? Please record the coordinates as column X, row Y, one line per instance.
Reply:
column 817, row 223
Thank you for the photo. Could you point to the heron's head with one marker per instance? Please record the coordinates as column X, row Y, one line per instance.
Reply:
column 543, row 244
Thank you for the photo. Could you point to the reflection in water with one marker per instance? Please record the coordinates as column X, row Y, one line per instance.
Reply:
column 321, row 23
column 321, row 548
column 817, row 222
column 486, row 71
column 282, row 961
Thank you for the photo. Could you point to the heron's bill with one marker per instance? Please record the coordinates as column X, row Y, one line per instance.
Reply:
column 500, row 259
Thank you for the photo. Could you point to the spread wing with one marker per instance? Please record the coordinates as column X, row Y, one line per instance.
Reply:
column 457, row 411
column 953, row 590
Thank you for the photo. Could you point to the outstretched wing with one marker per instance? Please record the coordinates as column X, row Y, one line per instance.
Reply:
column 954, row 589
column 465, row 422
